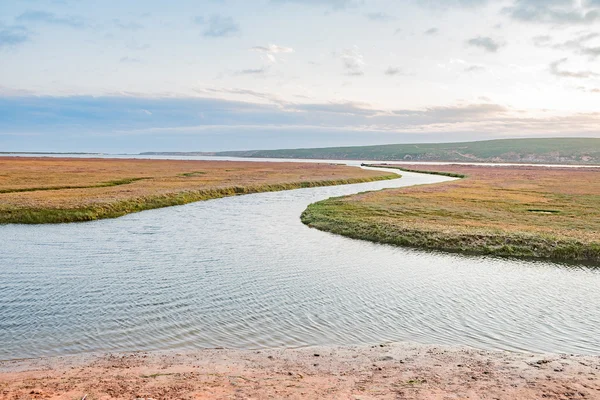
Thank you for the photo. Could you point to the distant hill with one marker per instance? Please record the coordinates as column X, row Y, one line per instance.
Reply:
column 178, row 153
column 549, row 151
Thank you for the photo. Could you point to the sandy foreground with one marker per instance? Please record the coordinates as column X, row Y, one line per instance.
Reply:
column 397, row 371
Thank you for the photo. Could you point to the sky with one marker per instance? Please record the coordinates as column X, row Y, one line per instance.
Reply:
column 209, row 75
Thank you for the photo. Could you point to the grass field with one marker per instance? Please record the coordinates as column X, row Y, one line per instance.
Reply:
column 545, row 151
column 52, row 190
column 506, row 211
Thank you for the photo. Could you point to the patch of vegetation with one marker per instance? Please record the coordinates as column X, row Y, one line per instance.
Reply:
column 117, row 182
column 51, row 190
column 116, row 209
column 192, row 174
column 500, row 211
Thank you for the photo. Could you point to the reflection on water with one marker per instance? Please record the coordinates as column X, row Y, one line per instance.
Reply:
column 243, row 272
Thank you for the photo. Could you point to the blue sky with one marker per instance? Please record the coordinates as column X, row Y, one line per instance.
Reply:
column 210, row 75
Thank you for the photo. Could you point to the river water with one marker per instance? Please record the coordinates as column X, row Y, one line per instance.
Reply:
column 244, row 272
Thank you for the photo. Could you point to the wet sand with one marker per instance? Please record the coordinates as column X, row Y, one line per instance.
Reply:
column 396, row 371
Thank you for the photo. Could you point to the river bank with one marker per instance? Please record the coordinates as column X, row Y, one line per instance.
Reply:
column 386, row 371
column 534, row 212
column 37, row 190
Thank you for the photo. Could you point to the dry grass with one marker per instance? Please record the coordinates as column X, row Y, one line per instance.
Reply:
column 41, row 190
column 507, row 211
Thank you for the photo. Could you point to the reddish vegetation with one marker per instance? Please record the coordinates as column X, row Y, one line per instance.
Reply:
column 559, row 201
column 507, row 211
column 40, row 189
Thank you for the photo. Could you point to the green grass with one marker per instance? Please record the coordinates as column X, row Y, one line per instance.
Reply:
column 192, row 174
column 123, row 207
column 118, row 182
column 545, row 151
column 337, row 217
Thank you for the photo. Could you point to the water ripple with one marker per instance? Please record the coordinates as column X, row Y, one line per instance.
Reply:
column 243, row 272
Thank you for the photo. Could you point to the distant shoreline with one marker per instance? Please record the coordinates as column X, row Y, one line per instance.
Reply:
column 584, row 151
column 530, row 151
column 212, row 157
column 47, row 153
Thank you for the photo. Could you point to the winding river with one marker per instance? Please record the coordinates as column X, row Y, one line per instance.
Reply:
column 243, row 272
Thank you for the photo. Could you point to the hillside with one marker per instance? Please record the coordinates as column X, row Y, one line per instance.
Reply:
column 551, row 151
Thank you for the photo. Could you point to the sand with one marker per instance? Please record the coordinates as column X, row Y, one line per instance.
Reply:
column 387, row 371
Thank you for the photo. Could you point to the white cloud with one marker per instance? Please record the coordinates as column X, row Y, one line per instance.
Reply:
column 396, row 71
column 486, row 43
column 271, row 50
column 585, row 43
column 353, row 61
column 556, row 69
column 557, row 12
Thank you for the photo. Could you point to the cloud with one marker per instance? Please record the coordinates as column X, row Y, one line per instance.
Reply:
column 34, row 16
column 243, row 92
column 486, row 43
column 453, row 113
column 271, row 50
column 581, row 39
column 218, row 26
column 395, row 71
column 130, row 60
column 589, row 90
column 475, row 68
column 380, row 17
column 136, row 46
column 555, row 69
column 128, row 26
column 344, row 108
column 94, row 123
column 558, row 12
column 13, row 36
column 579, row 45
column 592, row 52
column 447, row 4
column 12, row 92
column 431, row 31
column 333, row 4
column 253, row 71
column 542, row 40
column 464, row 65
column 353, row 61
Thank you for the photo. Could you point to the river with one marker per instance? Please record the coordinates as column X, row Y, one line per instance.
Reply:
column 244, row 272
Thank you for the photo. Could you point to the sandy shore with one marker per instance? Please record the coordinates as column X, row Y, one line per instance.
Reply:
column 398, row 371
